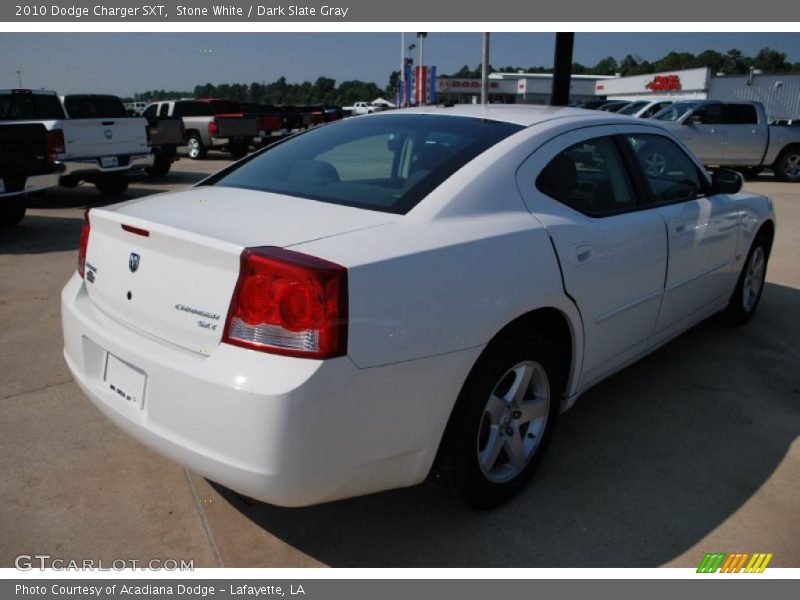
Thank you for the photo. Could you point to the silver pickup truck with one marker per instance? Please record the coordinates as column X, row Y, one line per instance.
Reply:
column 736, row 135
column 211, row 125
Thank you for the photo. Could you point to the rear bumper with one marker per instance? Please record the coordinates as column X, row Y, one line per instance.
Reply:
column 93, row 166
column 33, row 183
column 287, row 431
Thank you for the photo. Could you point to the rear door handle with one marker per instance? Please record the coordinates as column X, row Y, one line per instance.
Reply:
column 580, row 253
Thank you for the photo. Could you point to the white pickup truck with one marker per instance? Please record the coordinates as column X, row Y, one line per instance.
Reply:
column 94, row 138
column 362, row 108
column 736, row 135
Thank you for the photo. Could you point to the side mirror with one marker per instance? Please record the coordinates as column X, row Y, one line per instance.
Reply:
column 725, row 181
column 694, row 120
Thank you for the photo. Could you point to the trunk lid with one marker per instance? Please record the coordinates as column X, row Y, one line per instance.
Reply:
column 176, row 283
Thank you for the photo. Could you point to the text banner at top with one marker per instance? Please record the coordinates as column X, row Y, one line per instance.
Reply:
column 188, row 11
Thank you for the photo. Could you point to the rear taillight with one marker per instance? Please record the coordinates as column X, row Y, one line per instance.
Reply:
column 54, row 141
column 289, row 303
column 83, row 244
column 213, row 127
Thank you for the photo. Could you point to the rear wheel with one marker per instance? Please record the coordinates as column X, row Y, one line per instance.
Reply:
column 112, row 184
column 195, row 147
column 160, row 168
column 238, row 151
column 787, row 167
column 12, row 211
column 747, row 294
column 502, row 421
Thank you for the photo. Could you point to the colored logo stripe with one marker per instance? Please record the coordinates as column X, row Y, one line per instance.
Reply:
column 734, row 563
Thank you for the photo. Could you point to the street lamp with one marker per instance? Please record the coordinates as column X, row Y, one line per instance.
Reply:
column 19, row 78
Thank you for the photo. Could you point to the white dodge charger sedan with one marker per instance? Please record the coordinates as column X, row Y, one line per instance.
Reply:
column 402, row 295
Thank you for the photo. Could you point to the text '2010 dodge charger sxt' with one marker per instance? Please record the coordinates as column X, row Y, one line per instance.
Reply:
column 402, row 295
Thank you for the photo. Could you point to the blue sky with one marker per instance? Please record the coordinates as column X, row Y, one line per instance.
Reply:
column 123, row 63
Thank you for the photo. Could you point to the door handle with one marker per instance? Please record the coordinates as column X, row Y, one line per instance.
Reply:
column 580, row 253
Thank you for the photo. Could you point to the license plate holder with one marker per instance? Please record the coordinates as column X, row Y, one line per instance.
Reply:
column 109, row 162
column 125, row 381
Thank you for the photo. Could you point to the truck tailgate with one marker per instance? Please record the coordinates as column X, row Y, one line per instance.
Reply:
column 237, row 126
column 91, row 138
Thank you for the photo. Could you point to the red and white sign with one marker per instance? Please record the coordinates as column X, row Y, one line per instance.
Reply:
column 664, row 83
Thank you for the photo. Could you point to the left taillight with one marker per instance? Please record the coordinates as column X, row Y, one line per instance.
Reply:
column 83, row 244
column 55, row 144
column 290, row 303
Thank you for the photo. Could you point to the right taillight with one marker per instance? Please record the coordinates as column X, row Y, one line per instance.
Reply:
column 83, row 244
column 55, row 144
column 289, row 303
column 213, row 127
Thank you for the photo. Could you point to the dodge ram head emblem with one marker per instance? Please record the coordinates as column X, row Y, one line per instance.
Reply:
column 133, row 262
column 109, row 133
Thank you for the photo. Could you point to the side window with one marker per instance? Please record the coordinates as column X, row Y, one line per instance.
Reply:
column 710, row 114
column 659, row 106
column 163, row 110
column 149, row 112
column 739, row 114
column 590, row 178
column 178, row 110
column 670, row 174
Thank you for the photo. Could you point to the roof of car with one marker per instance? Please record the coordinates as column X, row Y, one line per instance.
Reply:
column 520, row 114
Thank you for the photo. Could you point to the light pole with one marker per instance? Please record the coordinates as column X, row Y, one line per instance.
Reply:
column 19, row 78
column 485, row 71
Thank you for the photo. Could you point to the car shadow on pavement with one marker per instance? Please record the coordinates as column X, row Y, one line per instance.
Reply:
column 645, row 465
column 38, row 234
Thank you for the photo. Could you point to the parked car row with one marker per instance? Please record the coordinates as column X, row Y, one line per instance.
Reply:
column 738, row 135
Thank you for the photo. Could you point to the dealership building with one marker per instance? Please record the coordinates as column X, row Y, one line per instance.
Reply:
column 780, row 93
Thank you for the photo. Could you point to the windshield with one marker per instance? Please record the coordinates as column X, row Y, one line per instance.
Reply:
column 94, row 107
column 30, row 106
column 388, row 163
column 632, row 108
column 674, row 112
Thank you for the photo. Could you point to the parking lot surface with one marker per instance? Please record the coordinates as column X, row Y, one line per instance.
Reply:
column 695, row 449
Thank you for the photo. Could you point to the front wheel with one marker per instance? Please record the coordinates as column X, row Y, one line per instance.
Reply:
column 787, row 167
column 502, row 421
column 112, row 184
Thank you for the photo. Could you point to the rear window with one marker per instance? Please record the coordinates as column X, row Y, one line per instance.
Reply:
column 226, row 107
column 380, row 163
column 193, row 109
column 30, row 106
column 94, row 107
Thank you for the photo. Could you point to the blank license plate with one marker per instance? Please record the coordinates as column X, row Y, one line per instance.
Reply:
column 126, row 381
column 109, row 161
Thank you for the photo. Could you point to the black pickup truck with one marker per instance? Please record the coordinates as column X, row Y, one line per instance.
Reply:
column 27, row 164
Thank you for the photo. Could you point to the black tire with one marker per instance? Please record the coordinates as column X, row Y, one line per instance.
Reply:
column 458, row 467
column 195, row 147
column 238, row 151
column 112, row 184
column 787, row 167
column 161, row 166
column 12, row 211
column 741, row 307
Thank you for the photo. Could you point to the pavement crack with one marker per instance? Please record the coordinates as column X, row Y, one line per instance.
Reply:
column 203, row 519
column 39, row 389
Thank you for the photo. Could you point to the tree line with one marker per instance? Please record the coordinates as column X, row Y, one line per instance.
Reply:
column 732, row 62
column 326, row 91
column 322, row 91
